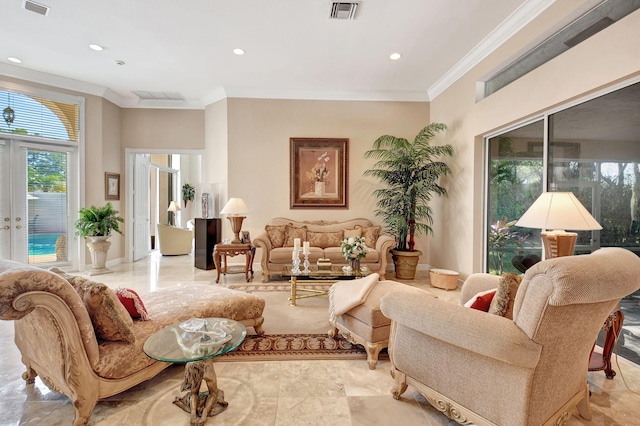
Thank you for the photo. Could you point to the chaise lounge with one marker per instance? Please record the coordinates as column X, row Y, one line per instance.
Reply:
column 81, row 340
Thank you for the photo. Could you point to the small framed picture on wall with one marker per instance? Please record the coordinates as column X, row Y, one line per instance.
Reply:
column 112, row 186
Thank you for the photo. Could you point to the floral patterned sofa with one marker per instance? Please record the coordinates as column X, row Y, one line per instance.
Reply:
column 324, row 240
column 82, row 341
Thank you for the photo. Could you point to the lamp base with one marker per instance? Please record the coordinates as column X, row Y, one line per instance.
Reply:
column 558, row 243
column 236, row 227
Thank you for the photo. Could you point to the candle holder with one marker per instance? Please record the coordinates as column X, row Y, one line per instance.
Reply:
column 306, row 263
column 295, row 259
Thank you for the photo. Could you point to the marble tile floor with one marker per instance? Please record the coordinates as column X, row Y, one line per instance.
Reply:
column 271, row 392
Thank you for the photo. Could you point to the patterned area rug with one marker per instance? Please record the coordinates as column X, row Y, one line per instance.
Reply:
column 279, row 347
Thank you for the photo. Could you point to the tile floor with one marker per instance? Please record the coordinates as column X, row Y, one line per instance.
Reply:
column 266, row 393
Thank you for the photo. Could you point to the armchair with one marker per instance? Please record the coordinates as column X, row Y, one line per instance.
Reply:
column 485, row 369
column 174, row 241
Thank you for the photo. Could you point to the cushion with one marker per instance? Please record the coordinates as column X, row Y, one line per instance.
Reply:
column 324, row 239
column 502, row 303
column 132, row 303
column 276, row 235
column 348, row 233
column 482, row 300
column 292, row 232
column 110, row 319
column 370, row 234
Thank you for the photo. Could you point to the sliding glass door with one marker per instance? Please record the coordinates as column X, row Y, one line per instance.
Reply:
column 591, row 149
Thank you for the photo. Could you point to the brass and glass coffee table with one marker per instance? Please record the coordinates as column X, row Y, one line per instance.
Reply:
column 196, row 342
column 315, row 276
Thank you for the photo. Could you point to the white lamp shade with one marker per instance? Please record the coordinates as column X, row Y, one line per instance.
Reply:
column 174, row 207
column 558, row 210
column 234, row 207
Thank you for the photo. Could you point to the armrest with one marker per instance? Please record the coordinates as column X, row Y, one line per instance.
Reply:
column 384, row 243
column 476, row 283
column 263, row 242
column 479, row 332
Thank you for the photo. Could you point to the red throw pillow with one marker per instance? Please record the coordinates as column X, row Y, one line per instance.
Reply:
column 481, row 301
column 132, row 302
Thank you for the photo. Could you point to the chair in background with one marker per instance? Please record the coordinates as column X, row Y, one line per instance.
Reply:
column 485, row 369
column 174, row 241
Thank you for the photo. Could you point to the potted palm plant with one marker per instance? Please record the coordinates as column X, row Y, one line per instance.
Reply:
column 410, row 173
column 95, row 224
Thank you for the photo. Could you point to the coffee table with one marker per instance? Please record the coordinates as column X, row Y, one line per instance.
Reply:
column 181, row 343
column 316, row 276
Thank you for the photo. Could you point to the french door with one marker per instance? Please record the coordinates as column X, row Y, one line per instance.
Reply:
column 35, row 226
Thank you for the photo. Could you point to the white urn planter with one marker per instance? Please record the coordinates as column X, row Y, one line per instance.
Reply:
column 98, row 247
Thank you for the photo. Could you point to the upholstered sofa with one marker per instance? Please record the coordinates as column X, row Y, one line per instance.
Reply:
column 174, row 241
column 324, row 239
column 486, row 369
column 80, row 339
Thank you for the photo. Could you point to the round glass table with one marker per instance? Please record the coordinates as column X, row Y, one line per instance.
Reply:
column 196, row 342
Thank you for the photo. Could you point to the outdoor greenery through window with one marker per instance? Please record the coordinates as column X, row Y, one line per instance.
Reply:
column 593, row 151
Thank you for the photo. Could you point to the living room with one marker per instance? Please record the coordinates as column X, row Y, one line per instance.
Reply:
column 244, row 141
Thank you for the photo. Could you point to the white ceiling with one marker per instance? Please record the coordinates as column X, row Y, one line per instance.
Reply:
column 293, row 50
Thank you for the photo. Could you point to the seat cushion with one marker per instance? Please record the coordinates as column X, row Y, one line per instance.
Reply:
column 169, row 306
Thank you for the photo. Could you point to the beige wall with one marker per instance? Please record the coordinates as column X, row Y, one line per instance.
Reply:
column 600, row 62
column 163, row 129
column 258, row 151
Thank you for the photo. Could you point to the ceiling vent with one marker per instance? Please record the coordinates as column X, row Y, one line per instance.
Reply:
column 159, row 96
column 341, row 10
column 36, row 7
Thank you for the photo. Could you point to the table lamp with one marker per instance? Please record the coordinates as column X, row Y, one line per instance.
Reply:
column 174, row 207
column 234, row 209
column 558, row 211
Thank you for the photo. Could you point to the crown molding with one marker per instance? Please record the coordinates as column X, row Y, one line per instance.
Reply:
column 527, row 12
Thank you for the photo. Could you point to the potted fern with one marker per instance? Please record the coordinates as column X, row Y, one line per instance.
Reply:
column 96, row 224
column 410, row 173
column 188, row 193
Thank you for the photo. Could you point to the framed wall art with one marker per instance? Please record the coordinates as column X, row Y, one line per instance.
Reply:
column 319, row 173
column 112, row 186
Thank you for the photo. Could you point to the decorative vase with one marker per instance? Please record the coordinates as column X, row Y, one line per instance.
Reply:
column 98, row 247
column 319, row 189
column 355, row 264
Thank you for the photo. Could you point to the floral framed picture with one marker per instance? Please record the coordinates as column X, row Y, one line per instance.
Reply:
column 319, row 173
column 112, row 186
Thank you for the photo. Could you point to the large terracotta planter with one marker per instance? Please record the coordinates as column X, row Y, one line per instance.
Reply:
column 98, row 247
column 406, row 263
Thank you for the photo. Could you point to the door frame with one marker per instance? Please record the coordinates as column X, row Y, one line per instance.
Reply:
column 128, row 185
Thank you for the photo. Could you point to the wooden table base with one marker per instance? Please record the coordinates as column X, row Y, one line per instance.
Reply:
column 602, row 361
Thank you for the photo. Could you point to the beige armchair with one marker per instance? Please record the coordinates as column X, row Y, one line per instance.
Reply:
column 174, row 241
column 485, row 369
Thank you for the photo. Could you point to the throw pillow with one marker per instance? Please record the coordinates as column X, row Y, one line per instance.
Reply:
column 348, row 233
column 132, row 303
column 481, row 301
column 370, row 234
column 324, row 239
column 276, row 235
column 110, row 319
column 292, row 232
column 502, row 303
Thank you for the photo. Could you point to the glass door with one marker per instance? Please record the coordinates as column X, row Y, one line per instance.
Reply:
column 33, row 194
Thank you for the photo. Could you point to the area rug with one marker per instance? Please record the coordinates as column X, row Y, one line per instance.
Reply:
column 279, row 347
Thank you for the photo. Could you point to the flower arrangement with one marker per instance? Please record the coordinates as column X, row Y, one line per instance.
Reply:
column 353, row 248
column 320, row 172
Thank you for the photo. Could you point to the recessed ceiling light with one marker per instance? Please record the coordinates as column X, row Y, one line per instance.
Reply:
column 238, row 51
column 15, row 60
column 96, row 47
column 395, row 56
